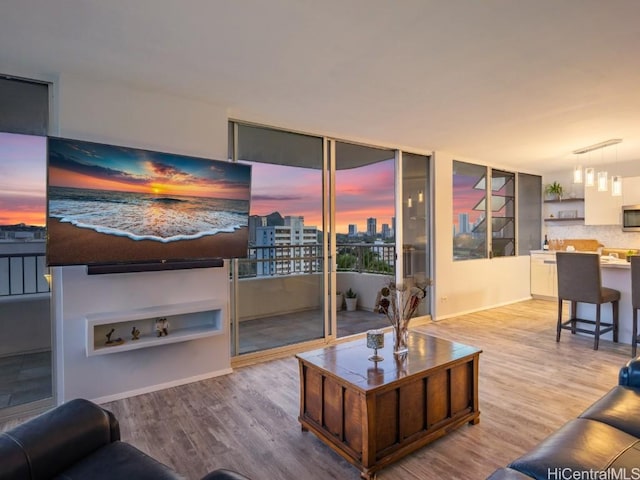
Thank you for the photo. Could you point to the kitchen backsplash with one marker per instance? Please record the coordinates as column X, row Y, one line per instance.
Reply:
column 610, row 236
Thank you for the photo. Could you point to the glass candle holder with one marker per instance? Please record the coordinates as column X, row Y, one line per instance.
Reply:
column 375, row 340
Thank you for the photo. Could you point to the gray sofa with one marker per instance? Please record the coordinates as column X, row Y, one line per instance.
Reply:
column 80, row 440
column 604, row 438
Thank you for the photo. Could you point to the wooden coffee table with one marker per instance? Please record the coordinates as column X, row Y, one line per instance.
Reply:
column 373, row 414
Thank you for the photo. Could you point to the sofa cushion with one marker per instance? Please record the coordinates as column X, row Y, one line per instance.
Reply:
column 118, row 460
column 619, row 408
column 581, row 444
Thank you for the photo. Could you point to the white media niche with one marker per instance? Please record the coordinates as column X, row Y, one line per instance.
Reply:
column 186, row 321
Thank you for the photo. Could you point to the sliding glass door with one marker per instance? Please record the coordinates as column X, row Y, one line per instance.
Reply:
column 365, row 232
column 278, row 291
column 322, row 237
column 25, row 319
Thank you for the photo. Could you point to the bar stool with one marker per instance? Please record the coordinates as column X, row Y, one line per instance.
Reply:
column 635, row 300
column 579, row 281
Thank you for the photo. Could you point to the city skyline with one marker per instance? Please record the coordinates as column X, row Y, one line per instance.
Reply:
column 465, row 197
column 361, row 193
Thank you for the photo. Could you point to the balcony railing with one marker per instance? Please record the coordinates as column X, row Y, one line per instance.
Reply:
column 23, row 274
column 307, row 259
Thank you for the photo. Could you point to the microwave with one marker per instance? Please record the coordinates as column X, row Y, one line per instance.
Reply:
column 631, row 218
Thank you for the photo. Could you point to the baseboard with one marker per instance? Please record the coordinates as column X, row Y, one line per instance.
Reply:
column 161, row 386
column 480, row 309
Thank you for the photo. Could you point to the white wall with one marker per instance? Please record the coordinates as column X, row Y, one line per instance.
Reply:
column 122, row 374
column 470, row 285
column 96, row 110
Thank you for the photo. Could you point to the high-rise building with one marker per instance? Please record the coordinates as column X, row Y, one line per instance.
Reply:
column 372, row 227
column 255, row 221
column 463, row 223
column 286, row 249
column 353, row 230
column 386, row 231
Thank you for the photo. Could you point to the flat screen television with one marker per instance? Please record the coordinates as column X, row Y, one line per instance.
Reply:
column 112, row 205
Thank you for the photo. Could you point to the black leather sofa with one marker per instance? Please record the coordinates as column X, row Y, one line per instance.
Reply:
column 80, row 440
column 604, row 438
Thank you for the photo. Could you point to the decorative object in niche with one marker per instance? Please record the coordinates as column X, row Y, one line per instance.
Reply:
column 568, row 214
column 162, row 327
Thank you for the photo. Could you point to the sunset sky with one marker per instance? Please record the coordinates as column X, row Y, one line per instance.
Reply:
column 361, row 192
column 22, row 179
column 103, row 167
column 465, row 198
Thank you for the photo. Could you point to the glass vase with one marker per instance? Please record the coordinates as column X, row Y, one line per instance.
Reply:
column 400, row 340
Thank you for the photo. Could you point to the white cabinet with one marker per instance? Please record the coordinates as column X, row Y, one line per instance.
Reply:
column 544, row 281
column 601, row 208
column 631, row 190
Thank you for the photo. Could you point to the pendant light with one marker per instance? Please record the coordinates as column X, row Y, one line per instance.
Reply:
column 577, row 174
column 616, row 181
column 602, row 181
column 616, row 186
column 589, row 177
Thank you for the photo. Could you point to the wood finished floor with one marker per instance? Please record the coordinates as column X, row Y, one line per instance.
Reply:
column 529, row 386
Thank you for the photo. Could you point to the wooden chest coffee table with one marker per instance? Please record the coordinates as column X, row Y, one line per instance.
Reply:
column 373, row 414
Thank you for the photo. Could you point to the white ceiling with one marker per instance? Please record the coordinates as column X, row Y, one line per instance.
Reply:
column 517, row 83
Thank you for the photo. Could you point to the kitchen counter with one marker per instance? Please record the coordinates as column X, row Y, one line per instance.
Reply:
column 616, row 273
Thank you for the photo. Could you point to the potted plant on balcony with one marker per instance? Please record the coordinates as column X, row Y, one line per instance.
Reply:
column 339, row 300
column 351, row 299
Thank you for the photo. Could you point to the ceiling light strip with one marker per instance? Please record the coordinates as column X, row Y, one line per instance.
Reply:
column 590, row 148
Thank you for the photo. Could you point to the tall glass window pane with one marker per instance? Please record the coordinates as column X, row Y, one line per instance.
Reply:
column 279, row 290
column 25, row 106
column 469, row 211
column 365, row 232
column 25, row 343
column 503, row 206
column 415, row 225
column 529, row 213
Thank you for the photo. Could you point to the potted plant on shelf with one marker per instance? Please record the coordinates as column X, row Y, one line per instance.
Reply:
column 553, row 191
column 351, row 299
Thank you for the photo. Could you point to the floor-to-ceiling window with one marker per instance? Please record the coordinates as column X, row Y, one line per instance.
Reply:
column 416, row 224
column 278, row 290
column 322, row 227
column 25, row 321
column 365, row 232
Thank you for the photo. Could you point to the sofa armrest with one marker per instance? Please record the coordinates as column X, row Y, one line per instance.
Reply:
column 630, row 373
column 223, row 474
column 508, row 474
column 57, row 439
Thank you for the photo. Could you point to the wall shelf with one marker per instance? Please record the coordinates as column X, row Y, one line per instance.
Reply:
column 565, row 200
column 187, row 321
column 564, row 219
